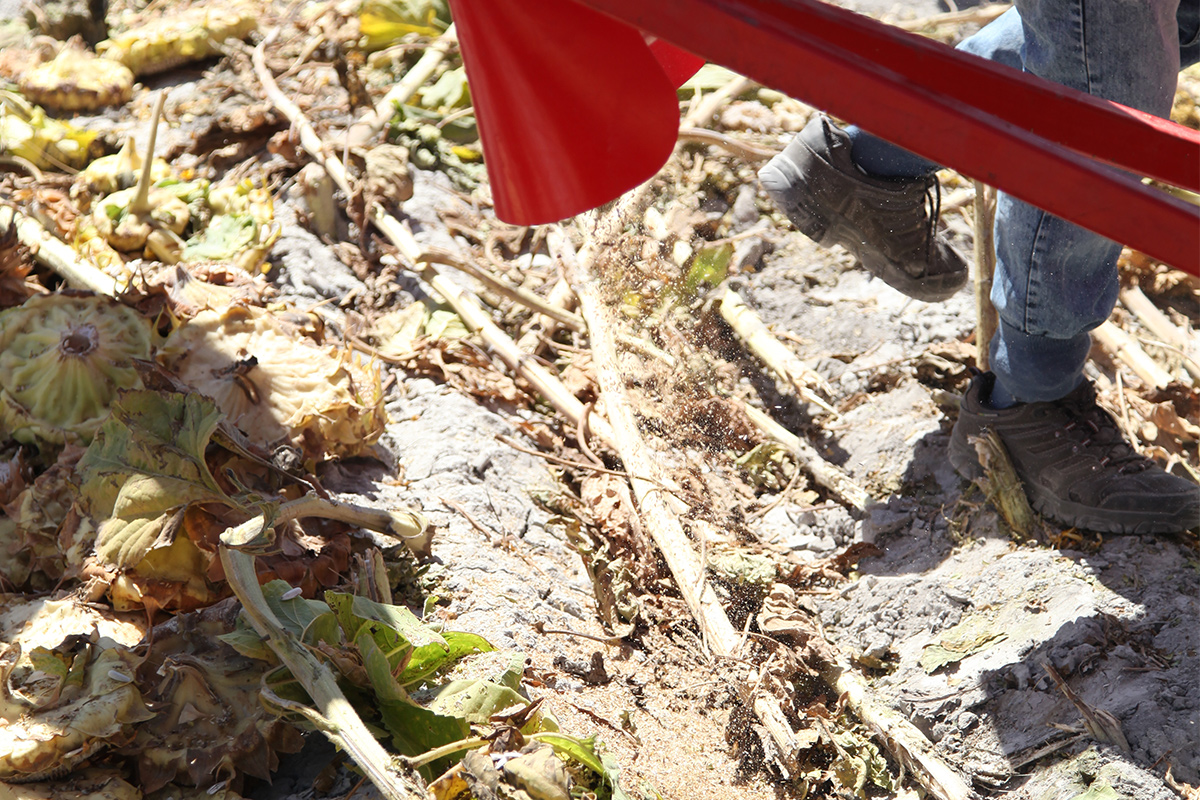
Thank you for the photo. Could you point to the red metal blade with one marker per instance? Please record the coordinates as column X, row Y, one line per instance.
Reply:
column 573, row 107
column 923, row 96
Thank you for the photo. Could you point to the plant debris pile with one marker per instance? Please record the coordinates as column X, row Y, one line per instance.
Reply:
column 239, row 243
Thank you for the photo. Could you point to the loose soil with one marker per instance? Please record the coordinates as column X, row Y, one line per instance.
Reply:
column 1114, row 616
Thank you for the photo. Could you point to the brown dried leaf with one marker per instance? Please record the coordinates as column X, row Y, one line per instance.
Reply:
column 16, row 263
column 210, row 725
column 278, row 387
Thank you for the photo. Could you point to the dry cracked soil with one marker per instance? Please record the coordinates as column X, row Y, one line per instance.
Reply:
column 957, row 627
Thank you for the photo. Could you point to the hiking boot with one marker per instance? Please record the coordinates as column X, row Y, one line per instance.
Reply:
column 889, row 224
column 1075, row 466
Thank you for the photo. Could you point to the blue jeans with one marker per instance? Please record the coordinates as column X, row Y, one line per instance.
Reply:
column 1055, row 281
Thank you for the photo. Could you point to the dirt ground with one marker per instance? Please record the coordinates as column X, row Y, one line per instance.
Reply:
column 955, row 626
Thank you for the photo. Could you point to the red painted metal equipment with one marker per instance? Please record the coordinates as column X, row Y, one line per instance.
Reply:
column 1034, row 139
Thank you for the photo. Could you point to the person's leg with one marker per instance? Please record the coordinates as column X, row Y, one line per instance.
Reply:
column 1055, row 281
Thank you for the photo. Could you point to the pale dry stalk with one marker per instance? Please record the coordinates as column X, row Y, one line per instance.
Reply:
column 55, row 254
column 366, row 129
column 830, row 476
column 980, row 15
column 775, row 354
column 664, row 524
column 1124, row 348
column 985, row 264
column 1161, row 326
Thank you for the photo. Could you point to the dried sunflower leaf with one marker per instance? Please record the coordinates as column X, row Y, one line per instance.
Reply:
column 211, row 725
column 144, row 466
column 972, row 635
column 155, row 440
column 277, row 387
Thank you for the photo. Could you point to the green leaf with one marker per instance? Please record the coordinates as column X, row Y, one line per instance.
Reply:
column 298, row 615
column 225, row 236
column 474, row 700
column 417, row 730
column 585, row 752
column 394, row 628
column 379, row 671
column 430, row 658
column 50, row 662
column 247, row 641
column 709, row 268
column 382, row 22
column 445, row 324
column 708, row 78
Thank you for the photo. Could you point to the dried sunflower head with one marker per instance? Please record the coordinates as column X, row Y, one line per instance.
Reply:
column 76, row 80
column 192, row 34
column 277, row 386
column 63, row 358
column 65, row 696
column 211, row 725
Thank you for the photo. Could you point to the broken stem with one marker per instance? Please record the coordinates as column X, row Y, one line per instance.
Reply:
column 665, row 527
column 339, row 721
column 1161, row 326
column 414, row 762
column 985, row 263
column 828, row 475
column 48, row 250
column 1123, row 347
column 140, row 207
column 368, row 128
column 517, row 294
column 774, row 353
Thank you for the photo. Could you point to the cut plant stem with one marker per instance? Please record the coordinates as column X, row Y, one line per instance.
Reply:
column 1161, row 326
column 827, row 475
column 776, row 355
column 339, row 721
column 1124, row 348
column 985, row 264
column 363, row 131
column 51, row 252
column 665, row 527
column 1003, row 487
column 141, row 202
column 517, row 294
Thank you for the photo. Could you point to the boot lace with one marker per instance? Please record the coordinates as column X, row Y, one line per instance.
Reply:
column 933, row 210
column 1093, row 429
